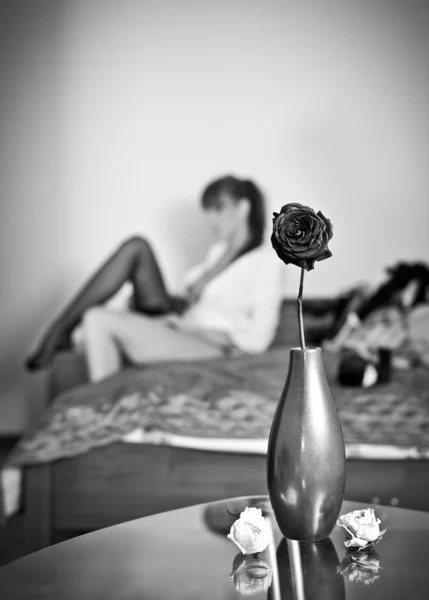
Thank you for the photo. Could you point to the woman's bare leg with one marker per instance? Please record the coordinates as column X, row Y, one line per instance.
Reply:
column 133, row 261
column 109, row 334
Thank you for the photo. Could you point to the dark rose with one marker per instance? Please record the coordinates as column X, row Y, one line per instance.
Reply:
column 300, row 235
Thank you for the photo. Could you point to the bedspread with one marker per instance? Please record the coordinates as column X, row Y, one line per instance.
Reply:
column 222, row 399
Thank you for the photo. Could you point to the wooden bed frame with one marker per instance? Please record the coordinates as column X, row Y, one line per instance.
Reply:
column 123, row 481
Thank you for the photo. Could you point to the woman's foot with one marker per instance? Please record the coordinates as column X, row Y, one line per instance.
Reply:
column 43, row 356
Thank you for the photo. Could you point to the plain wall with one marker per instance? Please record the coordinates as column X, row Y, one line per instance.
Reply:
column 114, row 114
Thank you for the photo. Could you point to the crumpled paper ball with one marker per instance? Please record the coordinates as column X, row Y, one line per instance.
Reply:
column 362, row 526
column 251, row 532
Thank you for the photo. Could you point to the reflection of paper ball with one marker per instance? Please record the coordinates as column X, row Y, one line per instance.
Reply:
column 251, row 574
column 361, row 566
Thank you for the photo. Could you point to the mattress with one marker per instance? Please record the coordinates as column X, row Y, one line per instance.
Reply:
column 224, row 404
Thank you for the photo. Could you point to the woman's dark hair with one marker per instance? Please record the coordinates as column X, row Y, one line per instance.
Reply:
column 237, row 189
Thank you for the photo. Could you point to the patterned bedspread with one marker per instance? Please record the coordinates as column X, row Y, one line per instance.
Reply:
column 228, row 399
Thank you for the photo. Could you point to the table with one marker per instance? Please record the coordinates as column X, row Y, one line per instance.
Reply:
column 185, row 554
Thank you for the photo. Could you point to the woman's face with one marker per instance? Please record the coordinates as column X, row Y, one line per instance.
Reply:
column 227, row 218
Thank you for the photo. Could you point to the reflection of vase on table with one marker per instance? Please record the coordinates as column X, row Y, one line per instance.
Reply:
column 319, row 569
column 306, row 453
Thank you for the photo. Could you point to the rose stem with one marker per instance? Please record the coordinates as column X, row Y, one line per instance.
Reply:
column 299, row 303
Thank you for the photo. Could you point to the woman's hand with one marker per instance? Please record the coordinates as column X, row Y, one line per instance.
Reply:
column 179, row 304
column 232, row 250
column 194, row 291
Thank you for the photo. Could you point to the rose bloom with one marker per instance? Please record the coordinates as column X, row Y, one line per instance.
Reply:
column 362, row 526
column 300, row 235
column 251, row 532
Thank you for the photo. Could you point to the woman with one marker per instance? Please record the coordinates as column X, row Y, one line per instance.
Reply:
column 230, row 303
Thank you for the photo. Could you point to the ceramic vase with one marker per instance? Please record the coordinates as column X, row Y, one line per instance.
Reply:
column 306, row 453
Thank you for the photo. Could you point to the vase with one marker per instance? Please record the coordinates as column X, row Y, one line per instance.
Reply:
column 306, row 453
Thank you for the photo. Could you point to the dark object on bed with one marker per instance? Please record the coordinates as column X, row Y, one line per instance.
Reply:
column 352, row 367
column 122, row 481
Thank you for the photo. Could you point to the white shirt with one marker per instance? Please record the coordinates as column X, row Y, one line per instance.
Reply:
column 243, row 301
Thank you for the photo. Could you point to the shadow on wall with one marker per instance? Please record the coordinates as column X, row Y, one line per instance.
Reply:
column 22, row 391
column 185, row 236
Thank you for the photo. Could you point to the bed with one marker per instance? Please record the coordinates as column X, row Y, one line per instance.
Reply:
column 159, row 438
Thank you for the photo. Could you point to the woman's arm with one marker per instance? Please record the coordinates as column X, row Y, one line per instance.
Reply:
column 253, row 320
column 193, row 291
column 232, row 250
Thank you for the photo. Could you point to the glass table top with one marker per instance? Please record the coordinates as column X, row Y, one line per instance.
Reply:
column 186, row 554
